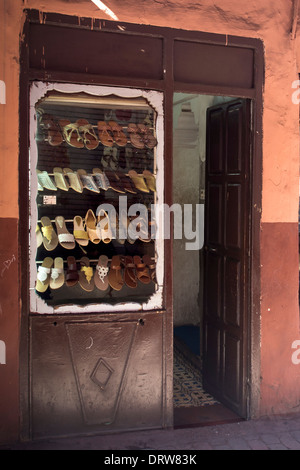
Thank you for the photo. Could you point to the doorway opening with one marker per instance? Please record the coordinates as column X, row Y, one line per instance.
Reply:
column 194, row 402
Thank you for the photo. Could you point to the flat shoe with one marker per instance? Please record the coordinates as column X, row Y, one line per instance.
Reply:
column 103, row 225
column 118, row 134
column 115, row 278
column 79, row 233
column 90, row 223
column 71, row 133
column 101, row 272
column 150, row 180
column 142, row 271
column 135, row 138
column 87, row 181
column 57, row 277
column 104, row 133
column 45, row 181
column 90, row 139
column 129, row 272
column 75, row 182
column 100, row 179
column 43, row 275
column 65, row 238
column 72, row 276
column 86, row 275
column 138, row 181
column 60, row 179
column 50, row 239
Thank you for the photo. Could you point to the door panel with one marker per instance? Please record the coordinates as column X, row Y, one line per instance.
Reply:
column 226, row 253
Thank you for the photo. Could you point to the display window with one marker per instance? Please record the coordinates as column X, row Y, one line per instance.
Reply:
column 96, row 183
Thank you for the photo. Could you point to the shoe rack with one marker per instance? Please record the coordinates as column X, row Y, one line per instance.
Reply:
column 124, row 149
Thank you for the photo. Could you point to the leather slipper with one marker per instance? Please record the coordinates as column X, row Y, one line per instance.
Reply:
column 50, row 239
column 43, row 275
column 100, row 276
column 72, row 273
column 104, row 133
column 65, row 238
column 115, row 278
column 86, row 275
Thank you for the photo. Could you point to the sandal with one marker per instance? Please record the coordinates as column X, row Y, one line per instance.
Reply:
column 43, row 275
column 45, row 181
column 103, row 225
column 86, row 275
column 118, row 134
column 60, row 179
column 100, row 277
column 55, row 137
column 71, row 133
column 87, row 181
column 147, row 136
column 151, row 265
column 104, row 136
column 142, row 271
column 75, row 182
column 57, row 278
column 79, row 233
column 101, row 179
column 129, row 272
column 39, row 236
column 50, row 239
column 90, row 223
column 115, row 278
column 90, row 139
column 135, row 138
column 138, row 181
column 65, row 238
column 150, row 180
column 72, row 276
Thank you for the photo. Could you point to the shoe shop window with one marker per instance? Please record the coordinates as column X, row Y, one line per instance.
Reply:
column 96, row 181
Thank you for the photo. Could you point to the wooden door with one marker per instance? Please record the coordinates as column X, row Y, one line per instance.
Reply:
column 226, row 249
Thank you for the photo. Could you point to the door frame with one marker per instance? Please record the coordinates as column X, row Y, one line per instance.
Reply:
column 173, row 42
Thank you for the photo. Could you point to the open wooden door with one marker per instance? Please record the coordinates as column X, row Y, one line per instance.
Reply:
column 226, row 254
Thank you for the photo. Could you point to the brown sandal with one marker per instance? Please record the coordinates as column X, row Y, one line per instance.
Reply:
column 55, row 137
column 72, row 273
column 129, row 272
column 104, row 135
column 135, row 137
column 150, row 263
column 119, row 136
column 115, row 278
column 142, row 271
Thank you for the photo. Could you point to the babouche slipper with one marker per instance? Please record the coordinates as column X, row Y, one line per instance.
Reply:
column 100, row 179
column 100, row 276
column 86, row 275
column 60, row 179
column 43, row 275
column 45, row 181
column 150, row 180
column 138, row 181
column 65, row 238
column 75, row 182
column 87, row 181
column 50, row 239
column 57, row 278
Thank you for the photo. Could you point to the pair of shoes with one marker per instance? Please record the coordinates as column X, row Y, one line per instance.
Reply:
column 110, row 132
column 86, row 276
column 141, row 136
column 48, row 276
column 145, row 182
column 51, row 238
column 79, row 134
column 135, row 269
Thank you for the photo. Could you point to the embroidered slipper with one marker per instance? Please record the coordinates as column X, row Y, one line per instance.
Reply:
column 79, row 233
column 60, row 179
column 100, row 277
column 135, row 138
column 100, row 179
column 142, row 271
column 72, row 276
column 118, row 134
column 43, row 275
column 50, row 239
column 105, row 136
column 90, row 139
column 103, row 225
column 71, row 133
column 87, row 181
column 150, row 180
column 138, row 181
column 150, row 263
column 86, row 275
column 65, row 238
column 57, row 277
column 115, row 278
column 129, row 272
column 147, row 136
column 45, row 181
column 55, row 137
column 75, row 182
column 90, row 223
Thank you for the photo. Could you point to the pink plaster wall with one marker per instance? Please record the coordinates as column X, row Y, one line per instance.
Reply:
column 271, row 21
